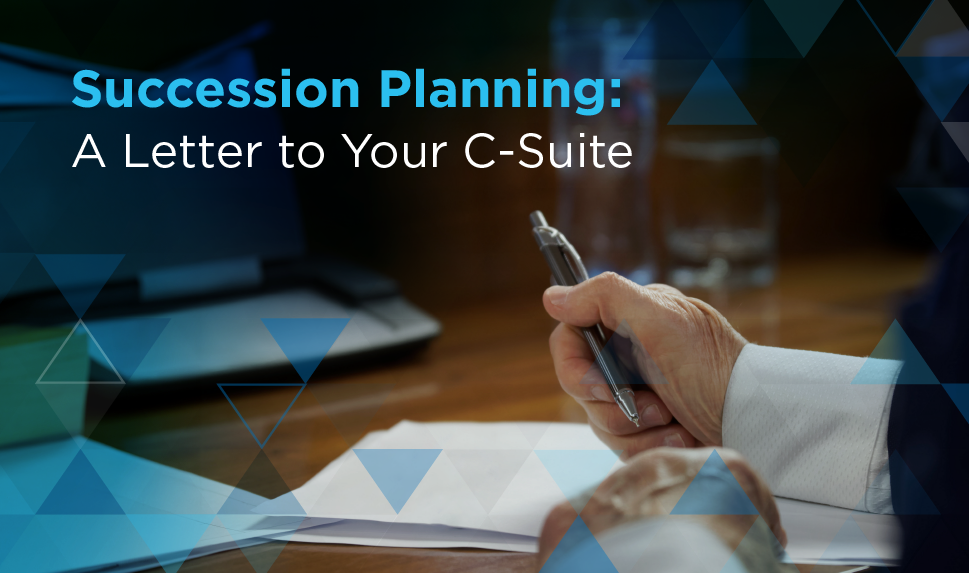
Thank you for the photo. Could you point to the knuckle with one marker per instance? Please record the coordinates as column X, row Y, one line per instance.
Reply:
column 609, row 281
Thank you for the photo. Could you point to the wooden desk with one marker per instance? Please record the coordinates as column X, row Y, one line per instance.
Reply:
column 491, row 364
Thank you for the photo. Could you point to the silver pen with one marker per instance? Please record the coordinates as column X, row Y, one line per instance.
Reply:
column 568, row 270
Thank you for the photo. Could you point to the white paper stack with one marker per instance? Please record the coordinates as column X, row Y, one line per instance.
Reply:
column 491, row 486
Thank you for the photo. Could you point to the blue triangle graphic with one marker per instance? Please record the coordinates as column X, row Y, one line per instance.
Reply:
column 714, row 491
column 804, row 21
column 578, row 552
column 11, row 528
column 80, row 277
column 11, row 239
column 851, row 536
column 941, row 80
column 170, row 537
column 11, row 267
column 940, row 210
column 895, row 345
column 397, row 472
column 959, row 393
column 752, row 543
column 261, row 443
column 712, row 101
column 126, row 341
column 734, row 564
column 758, row 35
column 667, row 36
column 262, row 559
column 36, row 476
column 12, row 134
column 712, row 20
column 11, row 502
column 305, row 341
column 575, row 471
column 911, row 499
column 80, row 491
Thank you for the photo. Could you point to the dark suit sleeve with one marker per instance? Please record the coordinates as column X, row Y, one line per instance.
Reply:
column 928, row 436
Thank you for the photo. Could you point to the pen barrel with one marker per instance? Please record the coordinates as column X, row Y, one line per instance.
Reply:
column 613, row 371
column 561, row 272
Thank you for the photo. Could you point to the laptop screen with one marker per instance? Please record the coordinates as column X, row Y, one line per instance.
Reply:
column 156, row 217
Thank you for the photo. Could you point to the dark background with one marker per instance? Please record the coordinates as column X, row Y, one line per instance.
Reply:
column 456, row 234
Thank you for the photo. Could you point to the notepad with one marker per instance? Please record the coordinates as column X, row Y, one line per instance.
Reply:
column 491, row 485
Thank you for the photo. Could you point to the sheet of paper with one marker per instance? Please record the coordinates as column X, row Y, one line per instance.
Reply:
column 503, row 478
column 160, row 512
column 386, row 534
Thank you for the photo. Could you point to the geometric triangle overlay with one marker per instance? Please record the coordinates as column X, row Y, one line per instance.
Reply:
column 758, row 35
column 62, row 368
column 940, row 80
column 712, row 21
column 894, row 20
column 239, row 389
column 261, row 478
column 11, row 502
column 80, row 277
column 168, row 536
column 959, row 393
column 753, row 543
column 263, row 554
column 574, row 470
column 36, row 477
column 126, row 341
column 305, row 341
column 939, row 20
column 667, row 36
column 11, row 239
column 578, row 552
column 397, row 472
column 914, row 500
column 623, row 348
column 959, row 132
column 488, row 472
column 894, row 346
column 80, row 491
column 533, row 431
column 11, row 266
column 712, row 101
column 940, row 210
column 11, row 528
column 12, row 134
column 851, row 535
column 804, row 21
column 714, row 491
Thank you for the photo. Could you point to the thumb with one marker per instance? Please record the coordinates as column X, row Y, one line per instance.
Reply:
column 607, row 298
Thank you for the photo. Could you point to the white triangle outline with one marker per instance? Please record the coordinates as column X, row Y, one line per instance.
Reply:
column 80, row 322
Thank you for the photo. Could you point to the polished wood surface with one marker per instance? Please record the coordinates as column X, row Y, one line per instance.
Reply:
column 491, row 364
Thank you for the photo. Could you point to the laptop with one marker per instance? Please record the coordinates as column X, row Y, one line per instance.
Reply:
column 214, row 250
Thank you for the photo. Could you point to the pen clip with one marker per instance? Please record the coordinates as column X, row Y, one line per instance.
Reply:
column 573, row 259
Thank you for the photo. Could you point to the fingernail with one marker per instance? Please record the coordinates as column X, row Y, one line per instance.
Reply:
column 674, row 441
column 557, row 295
column 599, row 392
column 651, row 417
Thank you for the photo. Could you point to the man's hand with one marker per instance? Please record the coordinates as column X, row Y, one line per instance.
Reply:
column 651, row 484
column 693, row 345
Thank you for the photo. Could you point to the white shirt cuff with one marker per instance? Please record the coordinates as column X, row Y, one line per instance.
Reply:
column 813, row 435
